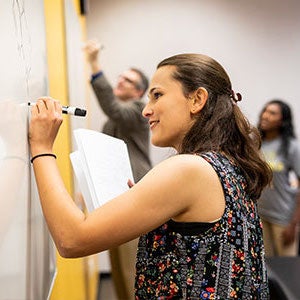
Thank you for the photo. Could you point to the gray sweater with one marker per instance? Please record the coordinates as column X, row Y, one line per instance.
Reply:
column 125, row 121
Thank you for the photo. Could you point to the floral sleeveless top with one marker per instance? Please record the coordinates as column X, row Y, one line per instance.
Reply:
column 222, row 260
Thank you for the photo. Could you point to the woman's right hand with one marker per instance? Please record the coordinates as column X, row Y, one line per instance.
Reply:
column 46, row 118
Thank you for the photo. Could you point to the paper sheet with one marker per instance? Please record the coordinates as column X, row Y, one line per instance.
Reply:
column 101, row 165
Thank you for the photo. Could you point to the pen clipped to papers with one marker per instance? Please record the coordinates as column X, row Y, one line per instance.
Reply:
column 70, row 110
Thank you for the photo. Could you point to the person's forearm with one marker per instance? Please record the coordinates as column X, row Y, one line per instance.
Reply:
column 105, row 96
column 296, row 216
column 61, row 213
column 95, row 66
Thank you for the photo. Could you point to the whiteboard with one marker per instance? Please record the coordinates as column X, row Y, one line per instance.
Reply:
column 27, row 263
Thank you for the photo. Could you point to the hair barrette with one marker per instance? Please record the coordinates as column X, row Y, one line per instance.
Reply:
column 236, row 97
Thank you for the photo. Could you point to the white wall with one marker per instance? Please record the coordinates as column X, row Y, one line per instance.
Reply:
column 25, row 249
column 258, row 42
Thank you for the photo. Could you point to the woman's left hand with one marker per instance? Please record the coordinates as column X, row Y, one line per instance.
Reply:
column 46, row 118
column 130, row 183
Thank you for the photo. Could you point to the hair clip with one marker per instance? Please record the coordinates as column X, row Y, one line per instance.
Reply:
column 236, row 97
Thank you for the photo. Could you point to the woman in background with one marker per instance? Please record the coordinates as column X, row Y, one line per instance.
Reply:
column 279, row 206
column 195, row 213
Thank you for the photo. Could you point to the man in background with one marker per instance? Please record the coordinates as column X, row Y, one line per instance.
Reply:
column 123, row 106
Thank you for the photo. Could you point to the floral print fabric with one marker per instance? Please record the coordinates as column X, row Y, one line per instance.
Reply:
column 225, row 261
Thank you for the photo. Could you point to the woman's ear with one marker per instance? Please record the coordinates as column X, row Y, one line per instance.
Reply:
column 198, row 100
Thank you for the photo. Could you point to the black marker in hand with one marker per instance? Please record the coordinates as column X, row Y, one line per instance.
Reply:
column 70, row 110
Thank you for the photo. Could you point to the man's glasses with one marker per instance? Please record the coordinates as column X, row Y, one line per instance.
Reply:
column 125, row 78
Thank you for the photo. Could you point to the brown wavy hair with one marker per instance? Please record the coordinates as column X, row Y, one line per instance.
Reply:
column 220, row 126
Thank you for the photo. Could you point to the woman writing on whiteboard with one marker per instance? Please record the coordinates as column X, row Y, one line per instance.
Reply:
column 195, row 213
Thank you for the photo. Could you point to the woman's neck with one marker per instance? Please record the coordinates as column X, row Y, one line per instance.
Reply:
column 271, row 135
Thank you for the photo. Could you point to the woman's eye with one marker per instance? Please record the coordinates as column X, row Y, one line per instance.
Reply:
column 156, row 95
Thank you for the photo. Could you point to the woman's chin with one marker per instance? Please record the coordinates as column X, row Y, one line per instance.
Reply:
column 159, row 143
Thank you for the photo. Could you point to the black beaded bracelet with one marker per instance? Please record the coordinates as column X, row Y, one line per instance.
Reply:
column 43, row 154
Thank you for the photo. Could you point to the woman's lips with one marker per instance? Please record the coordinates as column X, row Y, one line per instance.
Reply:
column 152, row 124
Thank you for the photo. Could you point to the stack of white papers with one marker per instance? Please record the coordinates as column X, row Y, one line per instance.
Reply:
column 101, row 165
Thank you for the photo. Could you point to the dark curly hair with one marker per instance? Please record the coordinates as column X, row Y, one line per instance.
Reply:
column 286, row 129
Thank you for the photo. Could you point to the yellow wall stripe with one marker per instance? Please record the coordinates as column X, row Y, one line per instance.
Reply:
column 70, row 282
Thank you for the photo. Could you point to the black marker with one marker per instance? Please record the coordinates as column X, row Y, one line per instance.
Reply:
column 70, row 110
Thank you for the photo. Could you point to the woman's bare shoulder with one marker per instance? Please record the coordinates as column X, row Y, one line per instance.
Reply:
column 185, row 163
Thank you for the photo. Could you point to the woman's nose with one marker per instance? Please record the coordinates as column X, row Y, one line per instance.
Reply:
column 147, row 111
column 264, row 115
